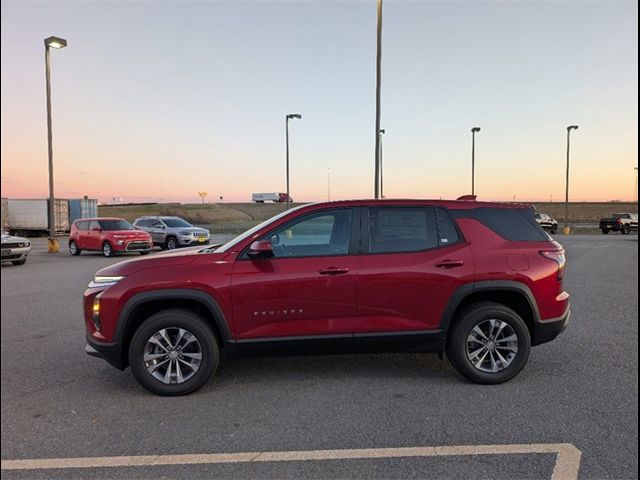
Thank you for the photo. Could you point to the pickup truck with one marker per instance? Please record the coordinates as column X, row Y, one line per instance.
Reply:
column 620, row 222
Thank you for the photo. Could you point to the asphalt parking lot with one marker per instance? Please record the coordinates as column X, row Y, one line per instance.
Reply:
column 581, row 389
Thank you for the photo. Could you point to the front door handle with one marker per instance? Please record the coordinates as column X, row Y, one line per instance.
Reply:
column 450, row 263
column 333, row 271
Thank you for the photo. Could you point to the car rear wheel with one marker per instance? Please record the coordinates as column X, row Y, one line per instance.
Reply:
column 73, row 248
column 489, row 344
column 174, row 352
column 172, row 243
column 605, row 231
column 107, row 250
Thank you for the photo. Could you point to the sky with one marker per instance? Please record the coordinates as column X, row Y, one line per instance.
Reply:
column 156, row 101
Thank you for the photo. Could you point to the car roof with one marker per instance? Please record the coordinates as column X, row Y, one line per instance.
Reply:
column 97, row 219
column 451, row 204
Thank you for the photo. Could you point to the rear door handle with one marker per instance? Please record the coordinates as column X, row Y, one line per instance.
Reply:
column 450, row 263
column 333, row 271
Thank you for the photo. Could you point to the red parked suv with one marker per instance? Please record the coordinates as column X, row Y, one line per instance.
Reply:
column 107, row 235
column 479, row 281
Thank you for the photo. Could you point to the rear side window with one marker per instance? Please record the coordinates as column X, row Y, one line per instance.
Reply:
column 516, row 224
column 143, row 223
column 409, row 229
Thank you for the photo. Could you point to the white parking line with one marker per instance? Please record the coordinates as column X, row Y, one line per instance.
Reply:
column 566, row 466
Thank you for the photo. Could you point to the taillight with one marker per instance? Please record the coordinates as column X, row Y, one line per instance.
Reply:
column 558, row 257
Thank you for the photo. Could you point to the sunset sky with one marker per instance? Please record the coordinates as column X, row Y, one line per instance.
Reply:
column 158, row 101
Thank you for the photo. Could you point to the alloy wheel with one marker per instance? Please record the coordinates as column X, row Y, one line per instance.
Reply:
column 172, row 355
column 492, row 345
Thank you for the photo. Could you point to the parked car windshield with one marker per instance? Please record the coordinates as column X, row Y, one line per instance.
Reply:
column 115, row 225
column 176, row 222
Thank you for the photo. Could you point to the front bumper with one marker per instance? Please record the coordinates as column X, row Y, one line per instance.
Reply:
column 547, row 330
column 13, row 254
column 111, row 352
column 189, row 241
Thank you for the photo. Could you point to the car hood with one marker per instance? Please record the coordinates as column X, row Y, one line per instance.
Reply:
column 169, row 258
column 128, row 233
column 192, row 229
column 12, row 239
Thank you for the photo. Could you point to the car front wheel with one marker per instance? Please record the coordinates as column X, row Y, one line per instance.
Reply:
column 605, row 231
column 174, row 352
column 172, row 243
column 107, row 250
column 489, row 343
column 73, row 248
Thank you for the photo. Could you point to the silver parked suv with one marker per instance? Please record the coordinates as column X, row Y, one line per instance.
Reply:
column 172, row 232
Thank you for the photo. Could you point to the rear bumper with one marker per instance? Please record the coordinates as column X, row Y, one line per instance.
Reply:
column 547, row 330
column 111, row 352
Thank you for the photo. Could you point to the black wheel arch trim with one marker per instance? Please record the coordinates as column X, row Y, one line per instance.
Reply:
column 486, row 286
column 198, row 296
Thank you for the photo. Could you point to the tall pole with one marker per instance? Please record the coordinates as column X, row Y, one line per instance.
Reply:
column 382, row 132
column 53, row 242
column 287, row 118
column 473, row 159
column 328, row 184
column 635, row 188
column 51, row 42
column 378, row 82
column 287, row 138
column 566, row 192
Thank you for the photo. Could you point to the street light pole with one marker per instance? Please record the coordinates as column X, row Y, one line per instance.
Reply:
column 378, row 86
column 473, row 159
column 51, row 42
column 566, row 229
column 328, row 184
column 382, row 132
column 287, row 118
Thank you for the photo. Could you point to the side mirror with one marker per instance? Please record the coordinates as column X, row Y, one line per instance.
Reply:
column 261, row 249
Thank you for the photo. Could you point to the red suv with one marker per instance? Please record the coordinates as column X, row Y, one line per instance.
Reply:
column 107, row 235
column 479, row 281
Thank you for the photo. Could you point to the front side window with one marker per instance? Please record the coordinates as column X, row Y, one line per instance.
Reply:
column 326, row 233
column 176, row 223
column 82, row 225
column 400, row 229
column 112, row 225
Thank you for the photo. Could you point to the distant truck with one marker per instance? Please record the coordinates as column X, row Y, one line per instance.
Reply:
column 270, row 197
column 619, row 222
column 31, row 216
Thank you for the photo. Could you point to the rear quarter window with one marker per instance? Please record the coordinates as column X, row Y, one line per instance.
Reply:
column 515, row 224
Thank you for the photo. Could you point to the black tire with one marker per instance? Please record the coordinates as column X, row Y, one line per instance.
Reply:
column 74, row 249
column 19, row 262
column 171, row 243
column 554, row 229
column 174, row 318
column 626, row 229
column 605, row 231
column 107, row 250
column 465, row 322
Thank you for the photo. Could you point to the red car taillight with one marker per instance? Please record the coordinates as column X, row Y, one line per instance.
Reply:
column 558, row 257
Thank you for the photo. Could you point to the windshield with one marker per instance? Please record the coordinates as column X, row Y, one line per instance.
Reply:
column 231, row 243
column 176, row 222
column 116, row 225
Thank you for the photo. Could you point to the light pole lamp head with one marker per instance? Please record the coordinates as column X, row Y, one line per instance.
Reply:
column 475, row 129
column 572, row 127
column 55, row 42
column 294, row 115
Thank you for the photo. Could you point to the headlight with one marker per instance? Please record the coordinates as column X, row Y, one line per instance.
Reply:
column 185, row 233
column 104, row 281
